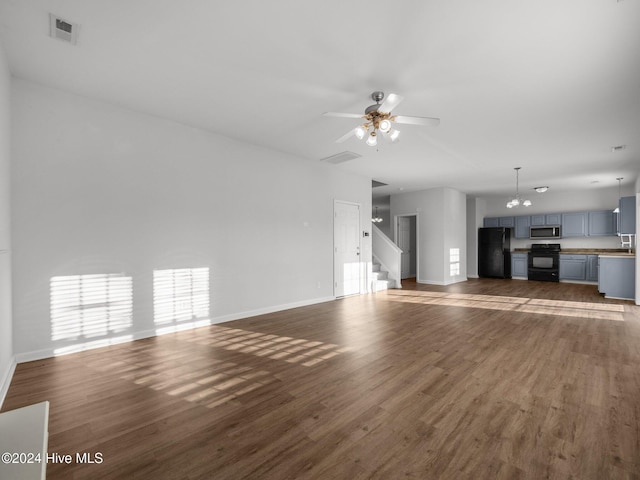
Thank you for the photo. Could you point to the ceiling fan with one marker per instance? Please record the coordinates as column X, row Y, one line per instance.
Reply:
column 378, row 118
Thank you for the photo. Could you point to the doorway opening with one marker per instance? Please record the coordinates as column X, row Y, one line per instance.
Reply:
column 407, row 241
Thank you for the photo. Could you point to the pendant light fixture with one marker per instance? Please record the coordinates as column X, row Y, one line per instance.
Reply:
column 516, row 201
column 617, row 209
column 376, row 218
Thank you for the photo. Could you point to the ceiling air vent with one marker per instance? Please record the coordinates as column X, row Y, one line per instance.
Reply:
column 341, row 157
column 63, row 30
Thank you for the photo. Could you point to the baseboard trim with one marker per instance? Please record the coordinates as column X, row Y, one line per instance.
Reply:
column 440, row 283
column 6, row 380
column 141, row 334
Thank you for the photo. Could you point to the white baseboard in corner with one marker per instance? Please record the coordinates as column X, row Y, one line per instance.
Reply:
column 266, row 310
column 5, row 380
column 52, row 352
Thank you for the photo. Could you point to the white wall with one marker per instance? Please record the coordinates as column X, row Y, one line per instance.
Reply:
column 637, row 192
column 7, row 363
column 441, row 224
column 384, row 211
column 476, row 208
column 100, row 189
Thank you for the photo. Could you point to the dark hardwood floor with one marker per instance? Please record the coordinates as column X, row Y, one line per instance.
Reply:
column 486, row 379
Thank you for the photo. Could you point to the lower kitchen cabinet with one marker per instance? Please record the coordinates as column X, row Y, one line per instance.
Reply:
column 519, row 265
column 617, row 277
column 592, row 268
column 573, row 267
column 579, row 267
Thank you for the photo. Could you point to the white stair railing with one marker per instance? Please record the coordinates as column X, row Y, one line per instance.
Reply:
column 388, row 254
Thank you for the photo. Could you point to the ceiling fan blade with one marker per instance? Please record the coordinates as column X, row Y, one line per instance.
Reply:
column 343, row 115
column 391, row 102
column 427, row 121
column 346, row 136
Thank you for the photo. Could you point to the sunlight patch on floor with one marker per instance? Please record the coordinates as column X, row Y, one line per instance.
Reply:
column 588, row 310
column 289, row 349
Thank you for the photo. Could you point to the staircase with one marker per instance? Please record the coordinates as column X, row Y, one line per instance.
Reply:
column 386, row 259
column 380, row 278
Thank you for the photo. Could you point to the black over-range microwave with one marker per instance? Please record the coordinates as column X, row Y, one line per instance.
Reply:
column 547, row 231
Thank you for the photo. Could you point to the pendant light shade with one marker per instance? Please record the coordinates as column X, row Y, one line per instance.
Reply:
column 376, row 218
column 516, row 201
column 617, row 209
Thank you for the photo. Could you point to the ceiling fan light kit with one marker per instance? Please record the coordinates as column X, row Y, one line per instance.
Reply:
column 378, row 118
column 372, row 140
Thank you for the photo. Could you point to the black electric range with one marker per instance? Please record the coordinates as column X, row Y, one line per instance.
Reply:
column 544, row 262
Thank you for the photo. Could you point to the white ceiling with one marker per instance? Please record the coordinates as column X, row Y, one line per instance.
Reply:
column 546, row 85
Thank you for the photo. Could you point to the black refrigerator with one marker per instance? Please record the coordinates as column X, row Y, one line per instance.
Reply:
column 494, row 254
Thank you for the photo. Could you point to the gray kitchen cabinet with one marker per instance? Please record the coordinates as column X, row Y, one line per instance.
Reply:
column 522, row 224
column 627, row 215
column 574, row 224
column 506, row 222
column 519, row 264
column 573, row 267
column 498, row 222
column 538, row 220
column 601, row 223
column 546, row 219
column 592, row 268
column 553, row 219
column 617, row 277
column 491, row 222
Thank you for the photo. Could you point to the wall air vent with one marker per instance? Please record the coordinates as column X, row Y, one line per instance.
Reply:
column 341, row 157
column 63, row 30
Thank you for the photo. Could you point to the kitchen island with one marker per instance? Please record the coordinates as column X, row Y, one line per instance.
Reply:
column 617, row 276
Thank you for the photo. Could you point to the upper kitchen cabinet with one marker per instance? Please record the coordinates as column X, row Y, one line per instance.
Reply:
column 522, row 226
column 498, row 222
column 574, row 224
column 627, row 215
column 506, row 222
column 602, row 223
column 546, row 219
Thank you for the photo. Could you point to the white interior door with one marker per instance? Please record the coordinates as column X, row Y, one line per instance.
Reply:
column 404, row 243
column 347, row 267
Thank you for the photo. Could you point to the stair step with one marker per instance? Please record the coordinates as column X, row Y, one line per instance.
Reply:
column 380, row 285
column 381, row 275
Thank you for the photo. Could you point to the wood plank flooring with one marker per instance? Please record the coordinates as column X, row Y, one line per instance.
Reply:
column 486, row 379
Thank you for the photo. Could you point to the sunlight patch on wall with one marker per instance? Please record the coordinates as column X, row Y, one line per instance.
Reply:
column 454, row 262
column 86, row 307
column 180, row 298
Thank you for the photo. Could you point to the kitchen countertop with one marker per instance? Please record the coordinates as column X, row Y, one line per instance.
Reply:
column 609, row 252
